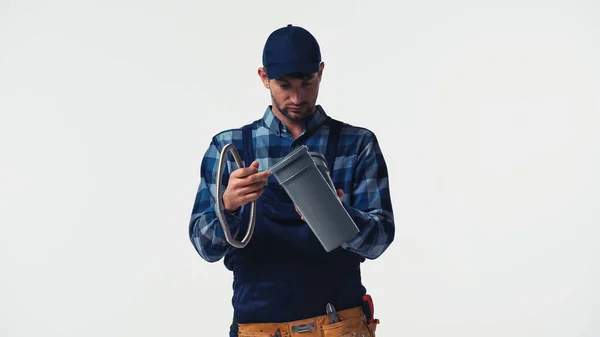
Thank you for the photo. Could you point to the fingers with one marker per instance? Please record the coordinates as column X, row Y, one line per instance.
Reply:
column 251, row 181
column 252, row 187
column 300, row 214
column 252, row 170
column 243, row 172
column 233, row 198
column 245, row 185
column 261, row 175
column 252, row 196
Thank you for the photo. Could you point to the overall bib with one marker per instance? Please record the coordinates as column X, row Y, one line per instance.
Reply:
column 284, row 273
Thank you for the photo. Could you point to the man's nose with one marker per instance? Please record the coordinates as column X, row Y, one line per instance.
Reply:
column 296, row 97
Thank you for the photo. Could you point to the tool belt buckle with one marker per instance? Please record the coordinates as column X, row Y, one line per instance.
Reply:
column 304, row 327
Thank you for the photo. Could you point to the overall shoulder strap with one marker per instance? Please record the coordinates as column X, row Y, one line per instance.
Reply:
column 335, row 128
column 248, row 155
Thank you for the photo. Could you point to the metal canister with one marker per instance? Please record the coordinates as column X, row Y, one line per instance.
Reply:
column 321, row 164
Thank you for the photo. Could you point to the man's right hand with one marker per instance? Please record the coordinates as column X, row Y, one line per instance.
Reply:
column 245, row 185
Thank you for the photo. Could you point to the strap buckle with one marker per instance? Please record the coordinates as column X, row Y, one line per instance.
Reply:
column 304, row 327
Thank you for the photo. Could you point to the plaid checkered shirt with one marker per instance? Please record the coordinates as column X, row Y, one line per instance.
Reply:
column 360, row 171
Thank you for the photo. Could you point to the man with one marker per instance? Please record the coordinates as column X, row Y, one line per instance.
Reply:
column 284, row 279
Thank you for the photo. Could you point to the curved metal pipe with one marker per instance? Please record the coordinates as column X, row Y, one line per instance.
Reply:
column 220, row 207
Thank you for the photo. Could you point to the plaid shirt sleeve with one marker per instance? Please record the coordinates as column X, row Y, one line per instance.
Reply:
column 205, row 229
column 369, row 202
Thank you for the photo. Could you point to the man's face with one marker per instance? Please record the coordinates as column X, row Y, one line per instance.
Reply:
column 295, row 95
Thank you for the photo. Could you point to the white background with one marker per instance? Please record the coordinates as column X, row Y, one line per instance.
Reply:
column 488, row 114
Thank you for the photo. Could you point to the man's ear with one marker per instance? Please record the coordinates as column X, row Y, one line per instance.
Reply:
column 321, row 67
column 262, row 73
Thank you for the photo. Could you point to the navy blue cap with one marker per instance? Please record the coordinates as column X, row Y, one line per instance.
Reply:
column 291, row 49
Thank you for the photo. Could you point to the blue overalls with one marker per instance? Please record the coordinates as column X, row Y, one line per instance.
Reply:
column 284, row 274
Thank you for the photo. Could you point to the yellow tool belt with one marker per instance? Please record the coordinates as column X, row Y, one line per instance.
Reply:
column 352, row 323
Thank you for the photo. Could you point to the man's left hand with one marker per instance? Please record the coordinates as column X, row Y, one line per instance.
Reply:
column 340, row 194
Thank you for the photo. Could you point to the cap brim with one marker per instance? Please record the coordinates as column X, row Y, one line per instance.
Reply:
column 281, row 69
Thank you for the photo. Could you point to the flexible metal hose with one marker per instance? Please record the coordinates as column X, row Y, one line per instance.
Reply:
column 220, row 207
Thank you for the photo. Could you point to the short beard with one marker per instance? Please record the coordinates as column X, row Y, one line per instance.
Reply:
column 286, row 113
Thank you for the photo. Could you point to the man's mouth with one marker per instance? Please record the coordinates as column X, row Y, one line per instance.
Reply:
column 296, row 108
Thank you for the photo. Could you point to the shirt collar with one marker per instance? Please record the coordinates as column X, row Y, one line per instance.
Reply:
column 276, row 126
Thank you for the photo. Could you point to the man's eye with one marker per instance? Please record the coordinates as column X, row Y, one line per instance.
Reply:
column 306, row 84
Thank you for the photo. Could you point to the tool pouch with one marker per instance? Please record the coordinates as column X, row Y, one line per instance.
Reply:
column 353, row 327
column 373, row 327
